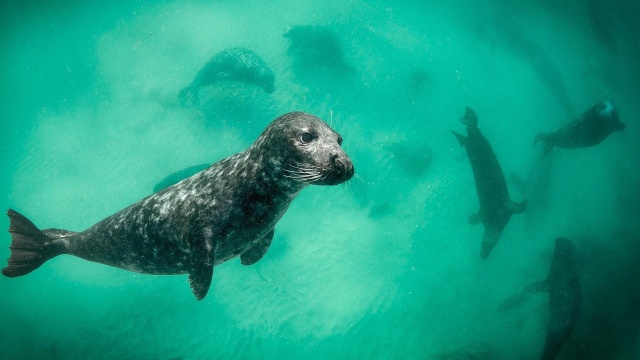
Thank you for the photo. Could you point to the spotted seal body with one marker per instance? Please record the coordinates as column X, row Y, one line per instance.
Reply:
column 591, row 128
column 227, row 210
column 496, row 206
column 235, row 64
column 565, row 297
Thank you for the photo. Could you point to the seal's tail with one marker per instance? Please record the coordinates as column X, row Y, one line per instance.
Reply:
column 548, row 142
column 31, row 247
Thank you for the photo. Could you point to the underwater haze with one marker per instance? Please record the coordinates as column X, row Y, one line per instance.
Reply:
column 385, row 266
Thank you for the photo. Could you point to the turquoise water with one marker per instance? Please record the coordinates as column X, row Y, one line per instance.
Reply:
column 384, row 267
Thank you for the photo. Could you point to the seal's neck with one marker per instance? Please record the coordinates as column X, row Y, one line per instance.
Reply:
column 267, row 172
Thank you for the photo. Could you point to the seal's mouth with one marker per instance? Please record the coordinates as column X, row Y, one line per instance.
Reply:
column 339, row 170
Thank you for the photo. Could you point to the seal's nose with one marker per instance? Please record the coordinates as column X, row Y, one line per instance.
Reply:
column 344, row 165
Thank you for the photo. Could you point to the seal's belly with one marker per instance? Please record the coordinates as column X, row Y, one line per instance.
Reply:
column 158, row 260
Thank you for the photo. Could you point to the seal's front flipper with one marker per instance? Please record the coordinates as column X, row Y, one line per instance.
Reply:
column 461, row 138
column 258, row 250
column 514, row 301
column 518, row 207
column 548, row 142
column 489, row 241
column 31, row 247
column 519, row 182
column 201, row 273
column 200, row 280
column 538, row 286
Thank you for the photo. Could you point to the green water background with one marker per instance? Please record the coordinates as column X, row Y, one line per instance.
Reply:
column 384, row 267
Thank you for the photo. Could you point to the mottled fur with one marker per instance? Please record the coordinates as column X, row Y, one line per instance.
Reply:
column 234, row 64
column 227, row 210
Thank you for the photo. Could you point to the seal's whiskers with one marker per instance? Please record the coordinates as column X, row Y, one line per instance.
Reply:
column 303, row 173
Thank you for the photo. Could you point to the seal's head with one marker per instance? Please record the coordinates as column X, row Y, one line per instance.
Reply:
column 265, row 78
column 305, row 150
column 564, row 248
column 607, row 111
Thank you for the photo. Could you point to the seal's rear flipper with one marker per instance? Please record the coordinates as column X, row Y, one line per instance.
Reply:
column 30, row 247
column 470, row 118
column 548, row 143
column 461, row 138
column 258, row 250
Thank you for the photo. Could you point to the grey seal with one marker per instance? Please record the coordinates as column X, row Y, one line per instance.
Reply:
column 229, row 209
column 565, row 297
column 234, row 64
column 589, row 129
column 496, row 207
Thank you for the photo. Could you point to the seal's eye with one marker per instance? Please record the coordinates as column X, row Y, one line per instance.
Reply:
column 306, row 137
column 339, row 140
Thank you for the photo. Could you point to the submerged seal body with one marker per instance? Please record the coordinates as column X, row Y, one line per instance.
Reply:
column 565, row 297
column 235, row 64
column 227, row 210
column 496, row 206
column 589, row 129
column 316, row 47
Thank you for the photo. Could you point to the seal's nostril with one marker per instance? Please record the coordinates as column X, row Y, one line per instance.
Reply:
column 335, row 160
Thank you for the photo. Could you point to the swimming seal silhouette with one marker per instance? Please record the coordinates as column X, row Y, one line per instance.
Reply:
column 496, row 206
column 565, row 297
column 316, row 47
column 235, row 64
column 227, row 210
column 589, row 129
